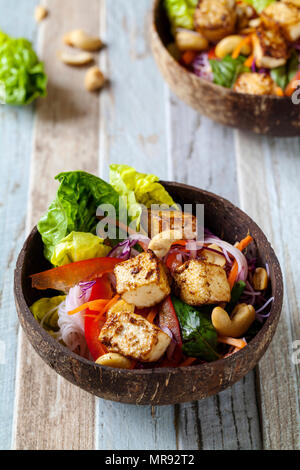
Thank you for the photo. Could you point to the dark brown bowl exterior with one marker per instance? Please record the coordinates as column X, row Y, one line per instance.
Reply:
column 268, row 115
column 166, row 385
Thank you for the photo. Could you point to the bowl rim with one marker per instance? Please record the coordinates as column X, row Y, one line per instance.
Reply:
column 202, row 81
column 275, row 311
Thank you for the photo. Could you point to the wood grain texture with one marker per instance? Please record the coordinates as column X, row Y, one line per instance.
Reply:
column 204, row 155
column 66, row 138
column 16, row 126
column 268, row 175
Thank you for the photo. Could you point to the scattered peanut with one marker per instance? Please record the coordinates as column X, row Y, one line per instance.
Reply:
column 190, row 40
column 260, row 279
column 162, row 242
column 235, row 326
column 81, row 58
column 212, row 257
column 80, row 39
column 40, row 13
column 94, row 79
column 228, row 45
column 114, row 360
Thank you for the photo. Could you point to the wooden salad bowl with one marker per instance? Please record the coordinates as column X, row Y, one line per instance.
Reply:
column 160, row 386
column 270, row 115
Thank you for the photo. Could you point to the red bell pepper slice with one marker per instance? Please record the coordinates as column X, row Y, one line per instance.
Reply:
column 100, row 290
column 168, row 319
column 65, row 277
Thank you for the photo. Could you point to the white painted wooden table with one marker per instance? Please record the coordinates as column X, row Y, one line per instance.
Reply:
column 139, row 122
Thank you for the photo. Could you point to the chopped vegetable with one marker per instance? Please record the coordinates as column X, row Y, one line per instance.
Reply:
column 227, row 70
column 21, row 72
column 138, row 188
column 92, row 325
column 181, row 13
column 236, row 293
column 234, row 270
column 259, row 5
column 74, row 208
column 283, row 75
column 237, row 343
column 64, row 277
column 200, row 339
column 45, row 311
column 78, row 246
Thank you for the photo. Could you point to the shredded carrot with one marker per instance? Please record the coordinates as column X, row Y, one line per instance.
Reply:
column 279, row 91
column 107, row 306
column 291, row 87
column 249, row 61
column 245, row 41
column 188, row 362
column 188, row 57
column 237, row 343
column 234, row 270
column 96, row 305
column 152, row 314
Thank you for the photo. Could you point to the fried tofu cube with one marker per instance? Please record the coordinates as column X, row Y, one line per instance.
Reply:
column 142, row 281
column 283, row 15
column 134, row 337
column 202, row 283
column 215, row 19
column 269, row 48
column 255, row 84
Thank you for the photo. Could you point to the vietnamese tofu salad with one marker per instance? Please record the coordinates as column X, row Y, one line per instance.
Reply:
column 140, row 282
column 250, row 46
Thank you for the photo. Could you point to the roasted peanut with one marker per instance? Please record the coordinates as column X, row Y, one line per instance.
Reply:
column 94, row 79
column 260, row 279
column 114, row 360
column 190, row 40
column 80, row 39
column 235, row 326
column 81, row 58
column 228, row 45
column 212, row 257
column 40, row 13
column 162, row 242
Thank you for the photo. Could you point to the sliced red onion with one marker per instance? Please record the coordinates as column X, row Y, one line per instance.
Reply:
column 237, row 255
column 85, row 287
column 265, row 305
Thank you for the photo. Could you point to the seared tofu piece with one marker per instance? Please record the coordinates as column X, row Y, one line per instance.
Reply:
column 215, row 19
column 155, row 222
column 283, row 15
column 269, row 48
column 133, row 336
column 202, row 283
column 245, row 13
column 255, row 84
column 142, row 281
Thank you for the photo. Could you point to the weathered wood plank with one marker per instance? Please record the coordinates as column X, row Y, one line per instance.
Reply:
column 268, row 175
column 16, row 126
column 204, row 155
column 51, row 413
column 133, row 131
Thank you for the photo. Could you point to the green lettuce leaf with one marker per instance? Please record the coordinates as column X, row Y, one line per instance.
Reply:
column 259, row 5
column 199, row 336
column 181, row 13
column 21, row 74
column 138, row 188
column 283, row 75
column 74, row 208
column 45, row 311
column 227, row 70
column 78, row 246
